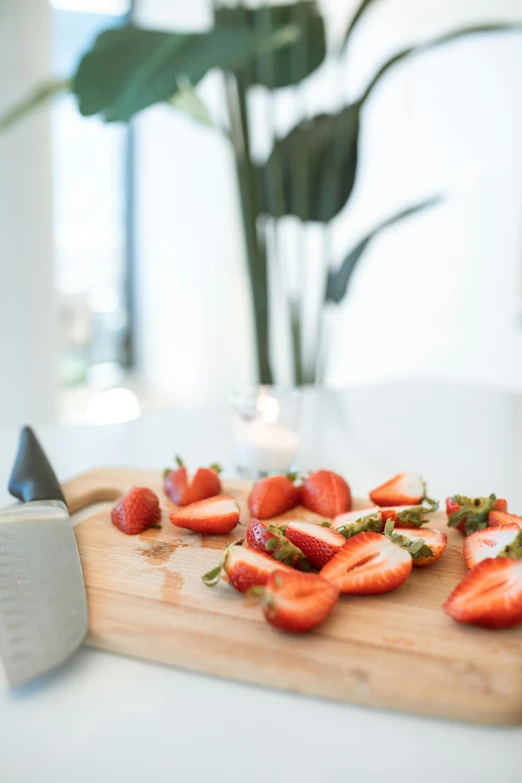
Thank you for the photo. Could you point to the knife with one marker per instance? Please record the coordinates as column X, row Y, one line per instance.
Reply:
column 43, row 606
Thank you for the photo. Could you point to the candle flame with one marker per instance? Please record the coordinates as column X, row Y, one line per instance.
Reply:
column 268, row 408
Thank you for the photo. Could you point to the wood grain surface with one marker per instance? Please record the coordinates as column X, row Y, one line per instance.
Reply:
column 398, row 651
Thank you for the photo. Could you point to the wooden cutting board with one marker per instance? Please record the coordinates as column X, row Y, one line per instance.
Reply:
column 399, row 651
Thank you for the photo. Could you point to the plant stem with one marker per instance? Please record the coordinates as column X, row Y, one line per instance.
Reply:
column 256, row 257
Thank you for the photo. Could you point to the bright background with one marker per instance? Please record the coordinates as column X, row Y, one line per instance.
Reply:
column 92, row 300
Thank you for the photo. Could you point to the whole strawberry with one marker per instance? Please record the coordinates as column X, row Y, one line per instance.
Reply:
column 326, row 493
column 273, row 496
column 182, row 492
column 136, row 511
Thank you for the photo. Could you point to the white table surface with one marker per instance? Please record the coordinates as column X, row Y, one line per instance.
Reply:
column 107, row 718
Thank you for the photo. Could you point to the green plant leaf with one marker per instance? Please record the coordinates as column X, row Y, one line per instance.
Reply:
column 338, row 280
column 463, row 32
column 355, row 18
column 285, row 66
column 35, row 98
column 188, row 101
column 329, row 144
column 131, row 68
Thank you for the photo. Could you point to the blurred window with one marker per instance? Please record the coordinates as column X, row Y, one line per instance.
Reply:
column 91, row 177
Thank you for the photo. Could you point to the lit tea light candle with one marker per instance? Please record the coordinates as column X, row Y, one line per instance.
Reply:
column 262, row 444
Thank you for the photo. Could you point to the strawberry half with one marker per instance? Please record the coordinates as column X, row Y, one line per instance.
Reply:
column 490, row 595
column 434, row 543
column 326, row 493
column 214, row 515
column 245, row 568
column 318, row 543
column 297, row 602
column 136, row 511
column 483, row 544
column 470, row 514
column 273, row 541
column 368, row 564
column 503, row 518
column 177, row 487
column 360, row 521
column 405, row 489
column 408, row 516
column 273, row 496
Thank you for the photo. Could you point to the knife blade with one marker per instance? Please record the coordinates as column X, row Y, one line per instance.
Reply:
column 43, row 605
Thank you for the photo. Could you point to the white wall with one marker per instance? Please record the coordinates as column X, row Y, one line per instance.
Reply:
column 27, row 313
column 439, row 294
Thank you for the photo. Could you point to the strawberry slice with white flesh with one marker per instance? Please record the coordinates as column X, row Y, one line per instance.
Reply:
column 318, row 543
column 245, row 567
column 490, row 595
column 361, row 521
column 405, row 489
column 272, row 540
column 496, row 517
column 484, row 544
column 212, row 516
column 434, row 542
column 368, row 564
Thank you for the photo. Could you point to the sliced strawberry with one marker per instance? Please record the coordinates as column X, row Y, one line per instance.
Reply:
column 405, row 489
column 503, row 518
column 483, row 544
column 245, row 568
column 407, row 516
column 214, row 515
column 360, row 521
column 470, row 514
column 297, row 602
column 177, row 487
column 490, row 595
column 326, row 493
column 273, row 541
column 273, row 496
column 136, row 511
column 317, row 542
column 367, row 564
column 434, row 540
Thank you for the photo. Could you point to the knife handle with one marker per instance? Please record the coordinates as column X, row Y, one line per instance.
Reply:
column 32, row 477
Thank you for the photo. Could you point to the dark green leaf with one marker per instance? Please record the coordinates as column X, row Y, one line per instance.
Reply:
column 130, row 68
column 328, row 144
column 338, row 280
column 424, row 47
column 285, row 66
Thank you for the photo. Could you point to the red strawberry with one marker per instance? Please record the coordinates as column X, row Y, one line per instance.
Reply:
column 326, row 493
column 470, row 514
column 367, row 564
column 136, row 511
column 273, row 496
column 205, row 484
column 317, row 542
column 273, row 541
column 405, row 489
column 489, row 595
column 484, row 544
column 407, row 516
column 214, row 515
column 434, row 540
column 297, row 602
column 360, row 521
column 245, row 568
column 503, row 518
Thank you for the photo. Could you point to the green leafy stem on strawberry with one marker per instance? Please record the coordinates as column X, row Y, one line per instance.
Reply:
column 513, row 550
column 474, row 512
column 212, row 577
column 372, row 522
column 283, row 550
column 417, row 549
column 414, row 516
